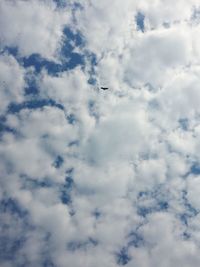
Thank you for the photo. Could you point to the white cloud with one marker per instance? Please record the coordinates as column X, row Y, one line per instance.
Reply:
column 120, row 134
column 45, row 134
column 32, row 26
column 11, row 82
column 161, row 234
column 162, row 11
column 126, row 153
column 152, row 57
column 193, row 191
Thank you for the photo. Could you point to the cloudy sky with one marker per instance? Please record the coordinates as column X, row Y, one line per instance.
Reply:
column 91, row 177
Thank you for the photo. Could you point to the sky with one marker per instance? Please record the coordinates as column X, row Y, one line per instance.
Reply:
column 91, row 177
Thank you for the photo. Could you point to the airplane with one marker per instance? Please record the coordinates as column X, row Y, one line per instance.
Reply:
column 104, row 88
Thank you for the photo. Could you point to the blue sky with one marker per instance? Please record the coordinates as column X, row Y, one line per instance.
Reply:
column 92, row 177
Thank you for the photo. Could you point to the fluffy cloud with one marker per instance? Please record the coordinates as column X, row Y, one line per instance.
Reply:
column 92, row 177
column 12, row 81
column 32, row 26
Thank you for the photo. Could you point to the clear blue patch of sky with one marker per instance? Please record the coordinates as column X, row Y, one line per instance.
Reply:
column 91, row 57
column 184, row 123
column 83, row 245
column 39, row 63
column 97, row 214
column 160, row 201
column 9, row 248
column 9, row 205
column 31, row 87
column 68, row 57
column 159, row 206
column 65, row 197
column 48, row 262
column 66, row 190
column 123, row 257
column 186, row 235
column 10, row 50
column 195, row 169
column 4, row 128
column 135, row 239
column 65, row 3
column 60, row 3
column 71, row 40
column 71, row 118
column 31, row 84
column 69, row 183
column 189, row 211
column 73, row 143
column 140, row 17
column 58, row 162
column 33, row 104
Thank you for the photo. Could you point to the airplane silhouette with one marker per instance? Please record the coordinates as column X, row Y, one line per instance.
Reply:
column 104, row 88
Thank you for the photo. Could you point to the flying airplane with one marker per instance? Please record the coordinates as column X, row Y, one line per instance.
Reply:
column 104, row 88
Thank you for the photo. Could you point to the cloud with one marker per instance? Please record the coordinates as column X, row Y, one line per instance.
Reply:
column 160, row 12
column 34, row 27
column 162, row 51
column 92, row 177
column 12, row 81
column 39, row 137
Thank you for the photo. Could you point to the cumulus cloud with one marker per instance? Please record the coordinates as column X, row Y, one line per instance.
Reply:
column 92, row 177
column 12, row 81
column 32, row 26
